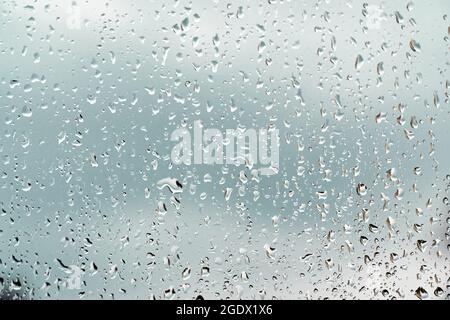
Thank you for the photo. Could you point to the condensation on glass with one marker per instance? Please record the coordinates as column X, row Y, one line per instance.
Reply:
column 224, row 149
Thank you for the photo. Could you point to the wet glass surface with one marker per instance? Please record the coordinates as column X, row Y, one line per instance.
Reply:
column 224, row 149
